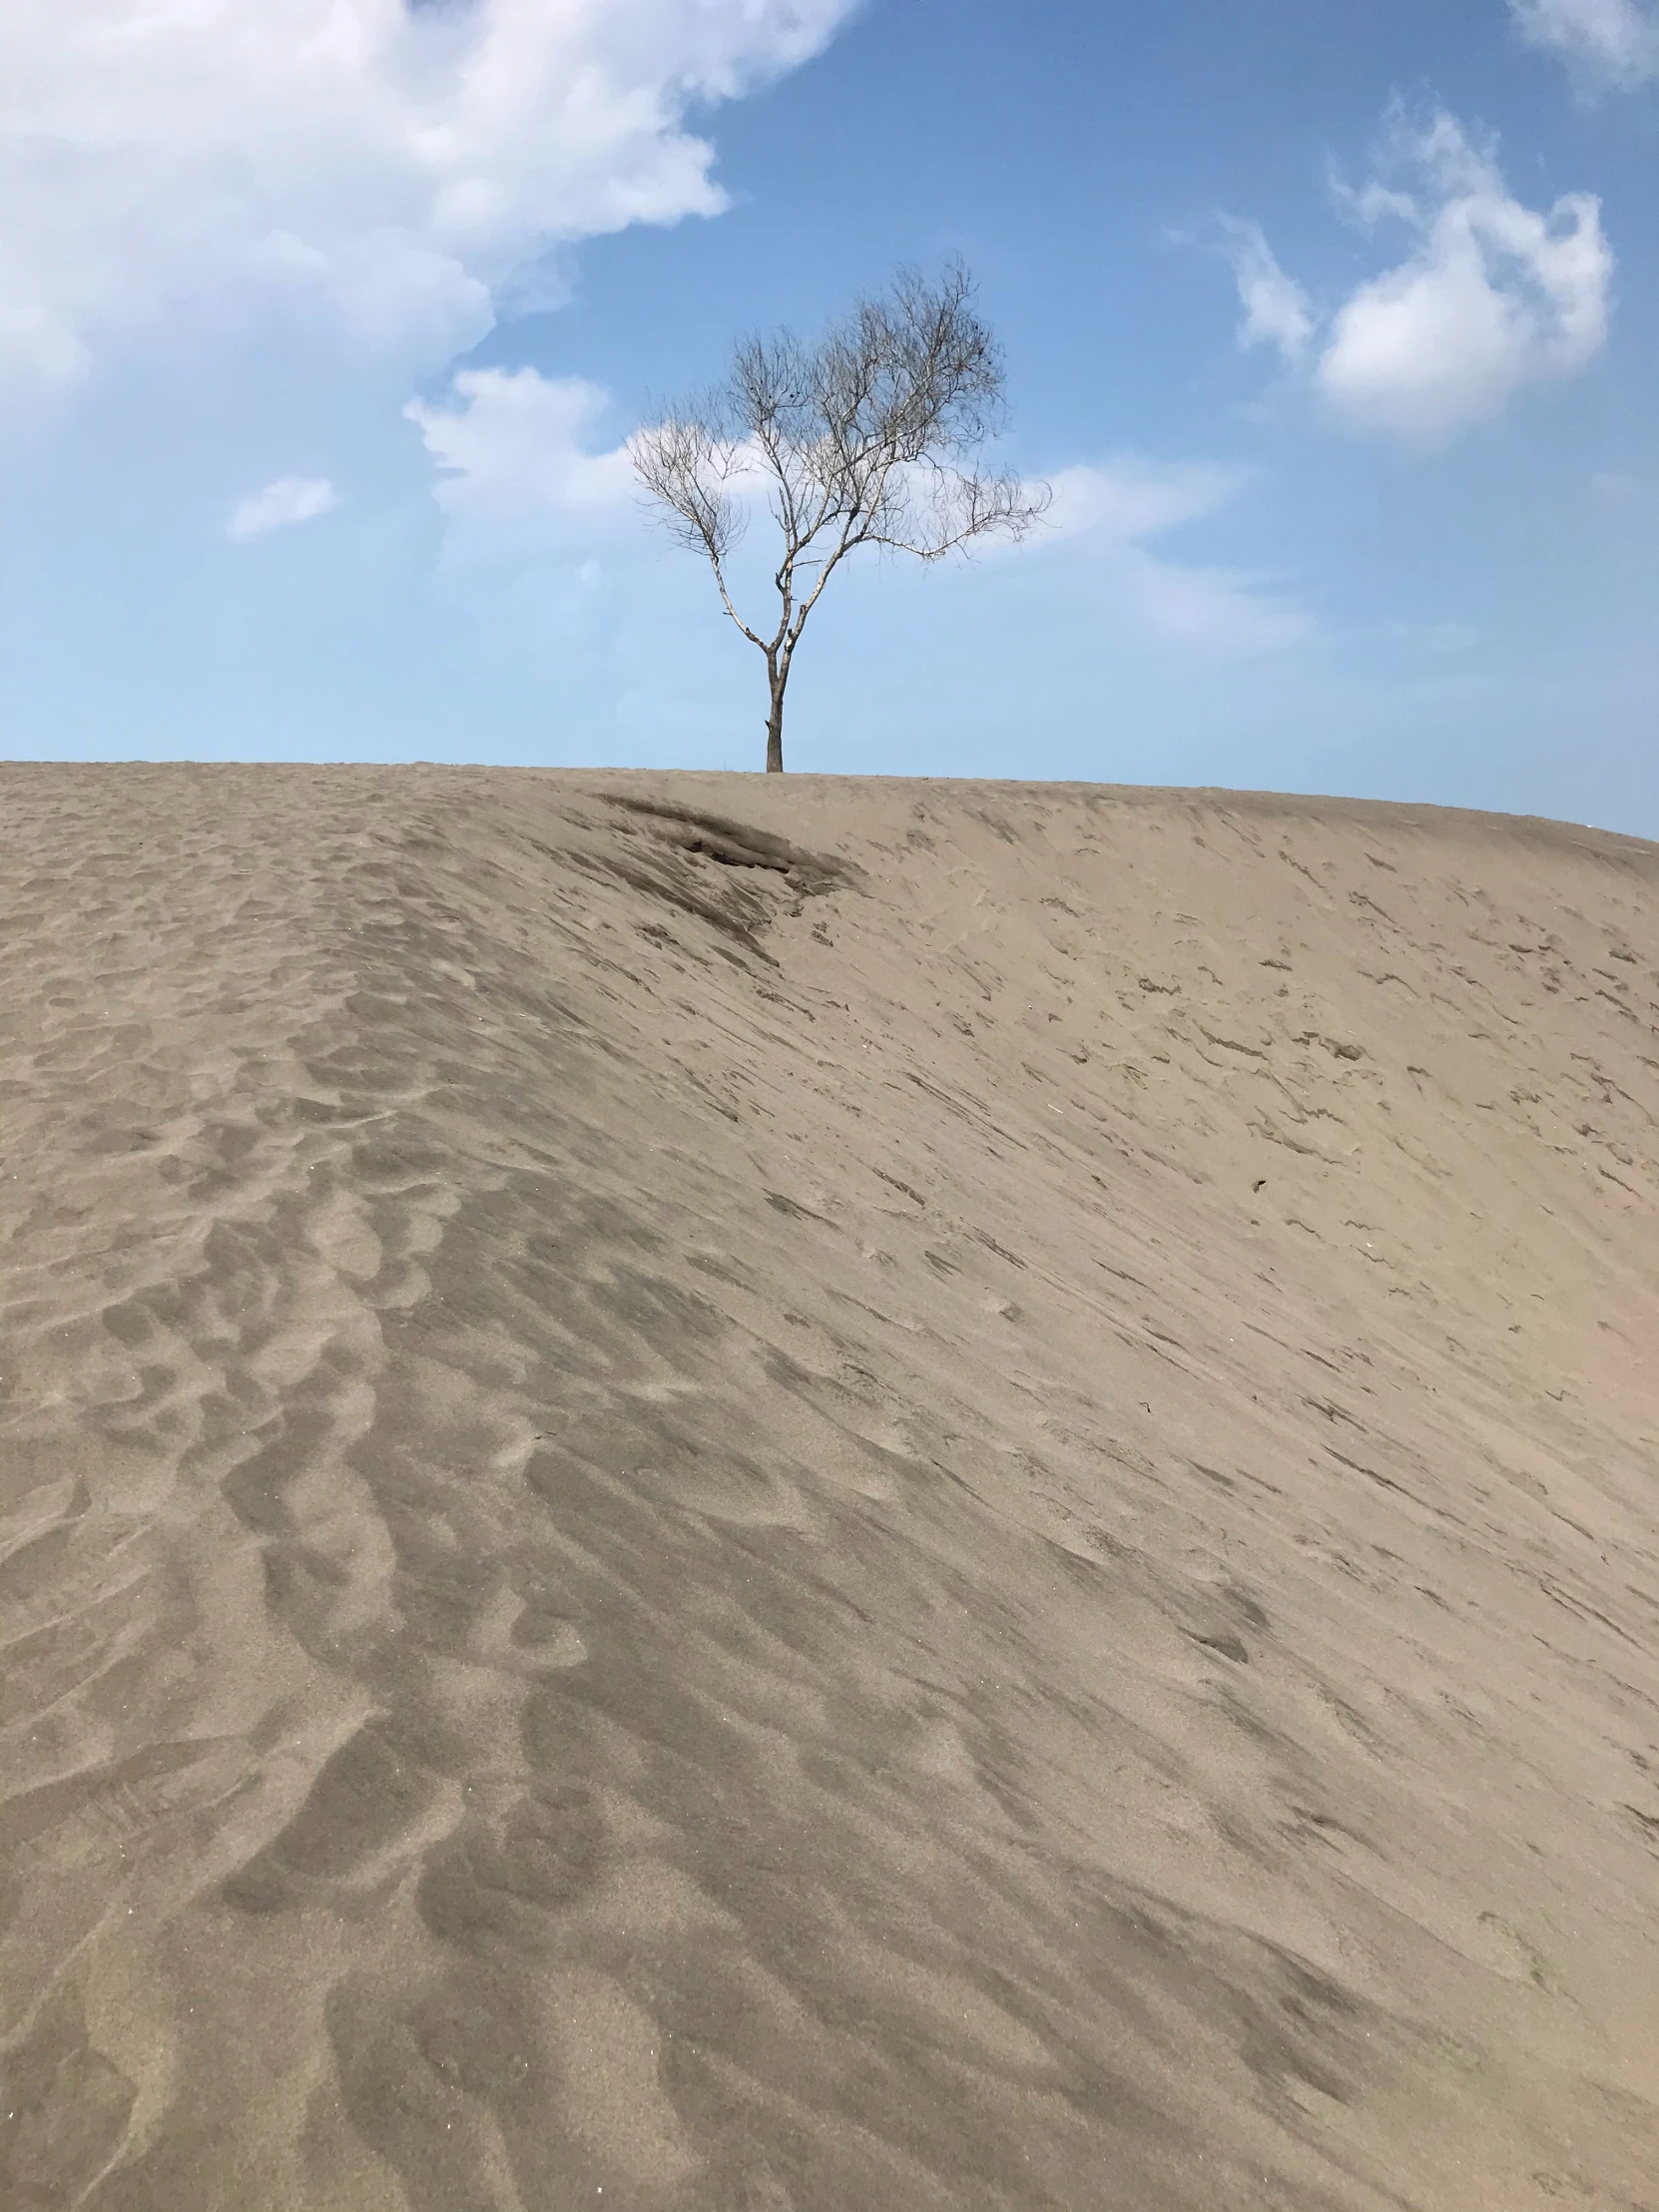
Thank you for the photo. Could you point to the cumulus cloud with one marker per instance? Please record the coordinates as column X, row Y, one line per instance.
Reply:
column 520, row 473
column 1607, row 43
column 1493, row 296
column 289, row 499
column 1490, row 295
column 395, row 164
column 1121, row 503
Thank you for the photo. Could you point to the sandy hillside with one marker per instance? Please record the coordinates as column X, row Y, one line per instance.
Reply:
column 743, row 1495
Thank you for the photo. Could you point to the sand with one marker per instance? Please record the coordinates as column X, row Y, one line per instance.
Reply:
column 742, row 1493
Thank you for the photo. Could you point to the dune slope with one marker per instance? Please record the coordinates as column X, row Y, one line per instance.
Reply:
column 744, row 1494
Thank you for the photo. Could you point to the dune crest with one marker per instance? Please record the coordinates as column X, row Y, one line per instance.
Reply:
column 841, row 1493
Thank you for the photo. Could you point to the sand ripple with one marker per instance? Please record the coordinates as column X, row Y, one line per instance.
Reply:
column 850, row 1496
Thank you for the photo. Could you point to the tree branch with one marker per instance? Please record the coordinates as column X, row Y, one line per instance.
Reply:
column 867, row 437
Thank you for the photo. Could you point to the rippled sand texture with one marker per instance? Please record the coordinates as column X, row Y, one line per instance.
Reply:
column 871, row 1495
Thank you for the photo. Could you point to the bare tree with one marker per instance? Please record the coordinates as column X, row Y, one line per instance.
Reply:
column 869, row 437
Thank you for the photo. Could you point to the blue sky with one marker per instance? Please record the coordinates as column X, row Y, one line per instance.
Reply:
column 324, row 325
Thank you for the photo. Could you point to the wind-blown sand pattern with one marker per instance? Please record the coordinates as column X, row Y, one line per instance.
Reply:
column 737, row 1494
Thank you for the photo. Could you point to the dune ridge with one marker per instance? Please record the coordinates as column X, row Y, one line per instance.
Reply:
column 745, row 1494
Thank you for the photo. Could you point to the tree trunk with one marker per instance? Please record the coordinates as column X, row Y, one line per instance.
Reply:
column 774, row 725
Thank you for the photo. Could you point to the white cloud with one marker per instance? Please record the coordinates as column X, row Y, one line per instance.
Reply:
column 528, row 478
column 520, row 473
column 1607, row 43
column 1127, row 501
column 1492, row 294
column 289, row 499
column 1276, row 310
column 166, row 161
column 1129, row 498
column 1495, row 296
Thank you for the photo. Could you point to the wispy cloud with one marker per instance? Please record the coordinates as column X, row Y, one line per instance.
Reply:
column 289, row 499
column 1608, row 44
column 1276, row 311
column 1130, row 498
column 1491, row 295
column 1118, row 505
column 528, row 477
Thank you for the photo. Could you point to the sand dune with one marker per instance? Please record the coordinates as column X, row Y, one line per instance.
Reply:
column 747, row 1494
